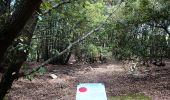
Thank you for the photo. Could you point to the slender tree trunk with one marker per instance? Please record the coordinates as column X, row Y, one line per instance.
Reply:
column 17, row 56
column 68, row 57
column 38, row 55
column 46, row 51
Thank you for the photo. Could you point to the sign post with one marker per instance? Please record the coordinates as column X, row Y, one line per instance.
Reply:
column 91, row 91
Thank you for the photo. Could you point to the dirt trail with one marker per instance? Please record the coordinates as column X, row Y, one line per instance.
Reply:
column 116, row 80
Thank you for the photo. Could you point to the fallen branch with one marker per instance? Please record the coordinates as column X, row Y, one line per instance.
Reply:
column 64, row 51
column 73, row 44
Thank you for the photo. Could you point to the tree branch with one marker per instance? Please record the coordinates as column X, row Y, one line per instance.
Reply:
column 65, row 50
column 74, row 43
column 165, row 28
column 56, row 6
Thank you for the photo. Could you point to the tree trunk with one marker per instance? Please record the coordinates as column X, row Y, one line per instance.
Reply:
column 68, row 57
column 18, row 56
column 10, row 30
column 38, row 56
column 46, row 51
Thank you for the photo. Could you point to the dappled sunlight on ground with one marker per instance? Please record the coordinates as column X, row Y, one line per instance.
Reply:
column 116, row 80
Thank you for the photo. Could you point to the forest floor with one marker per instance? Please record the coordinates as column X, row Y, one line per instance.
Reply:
column 116, row 80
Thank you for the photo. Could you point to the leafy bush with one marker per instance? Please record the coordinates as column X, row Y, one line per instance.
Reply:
column 41, row 71
column 92, row 51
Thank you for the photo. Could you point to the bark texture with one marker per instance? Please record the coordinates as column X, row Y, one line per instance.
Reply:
column 15, row 57
column 11, row 29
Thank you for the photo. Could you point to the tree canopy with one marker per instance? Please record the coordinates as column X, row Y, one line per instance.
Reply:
column 92, row 30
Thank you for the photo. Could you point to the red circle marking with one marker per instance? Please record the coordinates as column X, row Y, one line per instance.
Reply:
column 82, row 89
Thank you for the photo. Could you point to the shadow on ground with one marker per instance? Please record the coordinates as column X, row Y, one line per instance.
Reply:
column 116, row 80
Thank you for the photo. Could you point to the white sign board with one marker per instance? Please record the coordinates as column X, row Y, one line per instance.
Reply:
column 91, row 91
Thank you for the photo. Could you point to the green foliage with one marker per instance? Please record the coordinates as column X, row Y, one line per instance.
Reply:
column 94, row 12
column 41, row 71
column 30, row 77
column 103, row 51
column 127, row 34
column 92, row 51
column 137, row 96
column 54, row 52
